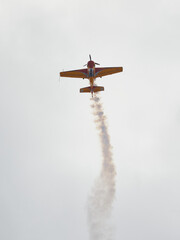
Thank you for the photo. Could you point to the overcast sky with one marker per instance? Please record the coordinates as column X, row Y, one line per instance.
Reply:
column 50, row 153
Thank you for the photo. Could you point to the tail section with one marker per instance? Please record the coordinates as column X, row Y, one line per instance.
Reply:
column 91, row 89
column 98, row 88
column 86, row 89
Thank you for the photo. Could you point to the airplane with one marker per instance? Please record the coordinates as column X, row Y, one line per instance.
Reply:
column 91, row 72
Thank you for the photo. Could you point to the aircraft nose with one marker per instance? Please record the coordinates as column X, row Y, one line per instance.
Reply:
column 91, row 64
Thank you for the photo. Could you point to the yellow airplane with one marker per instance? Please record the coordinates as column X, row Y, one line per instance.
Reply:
column 91, row 73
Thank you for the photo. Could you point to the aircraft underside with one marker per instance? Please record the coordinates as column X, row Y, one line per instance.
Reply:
column 91, row 72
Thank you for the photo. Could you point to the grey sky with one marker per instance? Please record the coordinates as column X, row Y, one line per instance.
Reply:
column 49, row 149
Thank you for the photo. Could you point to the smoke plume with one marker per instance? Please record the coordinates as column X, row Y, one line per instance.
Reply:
column 103, row 192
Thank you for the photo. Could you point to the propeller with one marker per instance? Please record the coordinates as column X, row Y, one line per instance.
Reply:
column 95, row 62
column 90, row 60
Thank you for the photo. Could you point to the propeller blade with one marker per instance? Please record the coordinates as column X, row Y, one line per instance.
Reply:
column 97, row 63
column 85, row 65
column 90, row 57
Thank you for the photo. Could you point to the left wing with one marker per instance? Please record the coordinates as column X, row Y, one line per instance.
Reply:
column 81, row 73
column 100, row 72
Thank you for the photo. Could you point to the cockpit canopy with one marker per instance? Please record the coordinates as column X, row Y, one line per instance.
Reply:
column 91, row 72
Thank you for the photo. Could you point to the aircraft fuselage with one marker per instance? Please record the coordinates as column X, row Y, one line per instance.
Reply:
column 91, row 72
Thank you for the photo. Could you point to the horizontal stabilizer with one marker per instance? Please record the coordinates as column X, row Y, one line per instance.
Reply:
column 93, row 89
column 86, row 89
column 98, row 88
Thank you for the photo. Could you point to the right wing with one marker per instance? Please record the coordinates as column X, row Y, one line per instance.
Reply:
column 80, row 73
column 100, row 72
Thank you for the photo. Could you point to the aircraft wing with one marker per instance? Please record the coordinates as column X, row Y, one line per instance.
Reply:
column 100, row 72
column 80, row 73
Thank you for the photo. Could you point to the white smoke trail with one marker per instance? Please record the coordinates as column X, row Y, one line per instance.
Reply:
column 103, row 192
